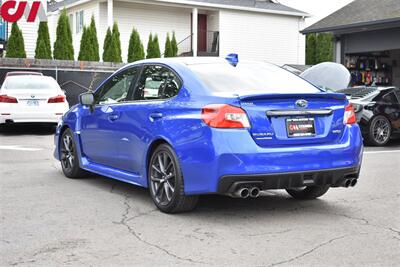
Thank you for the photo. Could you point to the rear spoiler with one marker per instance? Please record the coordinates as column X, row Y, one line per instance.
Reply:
column 298, row 96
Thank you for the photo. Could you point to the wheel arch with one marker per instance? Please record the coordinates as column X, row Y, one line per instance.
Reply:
column 152, row 147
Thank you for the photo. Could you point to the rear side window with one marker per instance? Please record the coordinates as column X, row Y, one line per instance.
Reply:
column 157, row 82
column 390, row 98
column 251, row 78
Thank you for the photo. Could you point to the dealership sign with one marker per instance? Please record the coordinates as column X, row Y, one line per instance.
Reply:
column 13, row 11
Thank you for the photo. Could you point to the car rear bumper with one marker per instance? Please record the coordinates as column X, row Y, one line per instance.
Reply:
column 31, row 117
column 332, row 177
column 212, row 166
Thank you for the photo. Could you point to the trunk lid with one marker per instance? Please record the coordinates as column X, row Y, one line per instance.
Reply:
column 276, row 119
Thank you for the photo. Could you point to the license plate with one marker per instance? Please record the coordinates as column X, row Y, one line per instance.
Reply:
column 32, row 103
column 300, row 127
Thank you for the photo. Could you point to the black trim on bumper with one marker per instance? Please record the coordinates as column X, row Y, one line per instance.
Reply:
column 332, row 177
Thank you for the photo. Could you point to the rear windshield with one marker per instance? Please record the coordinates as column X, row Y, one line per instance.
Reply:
column 251, row 78
column 30, row 82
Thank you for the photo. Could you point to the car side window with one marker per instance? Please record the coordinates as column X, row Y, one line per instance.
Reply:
column 157, row 82
column 116, row 89
column 397, row 92
column 390, row 98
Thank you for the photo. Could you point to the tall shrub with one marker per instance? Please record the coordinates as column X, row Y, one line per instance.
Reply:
column 116, row 44
column 174, row 45
column 310, row 49
column 43, row 47
column 63, row 48
column 150, row 50
column 16, row 45
column 156, row 47
column 94, row 42
column 85, row 49
column 107, row 57
column 324, row 48
column 168, row 52
column 135, row 50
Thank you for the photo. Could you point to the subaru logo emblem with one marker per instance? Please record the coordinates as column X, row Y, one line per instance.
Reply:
column 301, row 103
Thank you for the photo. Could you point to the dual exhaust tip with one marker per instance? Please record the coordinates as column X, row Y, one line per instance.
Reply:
column 349, row 182
column 245, row 192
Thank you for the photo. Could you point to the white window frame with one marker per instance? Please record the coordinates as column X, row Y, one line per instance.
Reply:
column 79, row 18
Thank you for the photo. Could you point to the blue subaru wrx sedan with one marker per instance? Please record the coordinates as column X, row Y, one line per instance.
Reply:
column 190, row 126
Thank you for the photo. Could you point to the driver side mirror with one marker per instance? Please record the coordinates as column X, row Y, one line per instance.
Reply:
column 86, row 99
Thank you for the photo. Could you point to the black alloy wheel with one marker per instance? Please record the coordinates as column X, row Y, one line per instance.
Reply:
column 166, row 182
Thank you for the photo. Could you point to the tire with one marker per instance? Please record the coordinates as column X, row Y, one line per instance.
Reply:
column 310, row 192
column 166, row 182
column 379, row 131
column 69, row 157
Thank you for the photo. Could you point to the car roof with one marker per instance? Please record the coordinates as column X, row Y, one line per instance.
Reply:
column 25, row 73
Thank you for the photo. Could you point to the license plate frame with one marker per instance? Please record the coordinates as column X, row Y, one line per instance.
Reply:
column 300, row 127
column 32, row 103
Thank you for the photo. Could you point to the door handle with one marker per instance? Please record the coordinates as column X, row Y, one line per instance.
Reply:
column 113, row 117
column 156, row 115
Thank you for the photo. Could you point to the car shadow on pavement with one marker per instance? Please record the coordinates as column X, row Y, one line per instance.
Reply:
column 277, row 202
column 27, row 129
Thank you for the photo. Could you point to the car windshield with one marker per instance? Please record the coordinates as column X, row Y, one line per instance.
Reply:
column 30, row 82
column 251, row 78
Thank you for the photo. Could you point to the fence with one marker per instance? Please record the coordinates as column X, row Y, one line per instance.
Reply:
column 74, row 77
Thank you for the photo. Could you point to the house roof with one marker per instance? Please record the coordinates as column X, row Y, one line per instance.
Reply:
column 263, row 5
column 358, row 14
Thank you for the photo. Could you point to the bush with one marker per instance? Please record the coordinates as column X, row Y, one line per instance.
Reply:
column 63, row 48
column 107, row 57
column 174, row 45
column 43, row 47
column 16, row 45
column 150, row 52
column 319, row 48
column 168, row 52
column 94, row 42
column 156, row 47
column 135, row 50
column 85, row 49
column 116, row 44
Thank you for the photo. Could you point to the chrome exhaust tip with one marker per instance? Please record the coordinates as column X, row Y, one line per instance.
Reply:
column 346, row 183
column 254, row 192
column 353, row 182
column 241, row 193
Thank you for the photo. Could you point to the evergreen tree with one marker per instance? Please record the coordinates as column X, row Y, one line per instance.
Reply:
column 168, row 52
column 156, row 47
column 324, row 47
column 135, row 50
column 310, row 49
column 85, row 47
column 43, row 51
column 94, row 42
column 174, row 45
column 116, row 44
column 107, row 57
column 149, row 53
column 16, row 45
column 63, row 48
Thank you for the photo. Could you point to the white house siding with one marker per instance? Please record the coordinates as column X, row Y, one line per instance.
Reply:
column 29, row 31
column 146, row 19
column 260, row 36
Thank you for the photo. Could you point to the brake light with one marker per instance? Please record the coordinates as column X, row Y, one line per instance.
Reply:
column 7, row 99
column 349, row 115
column 56, row 99
column 224, row 116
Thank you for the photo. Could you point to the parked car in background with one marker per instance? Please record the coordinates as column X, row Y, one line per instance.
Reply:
column 213, row 127
column 27, row 97
column 378, row 112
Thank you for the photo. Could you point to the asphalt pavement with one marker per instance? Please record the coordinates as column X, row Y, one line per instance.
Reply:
column 49, row 220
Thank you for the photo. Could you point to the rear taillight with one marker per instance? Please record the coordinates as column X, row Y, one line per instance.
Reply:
column 349, row 115
column 57, row 99
column 224, row 116
column 7, row 99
